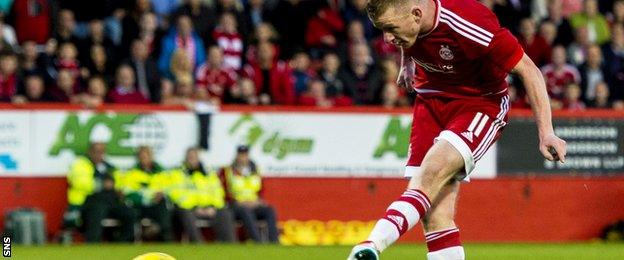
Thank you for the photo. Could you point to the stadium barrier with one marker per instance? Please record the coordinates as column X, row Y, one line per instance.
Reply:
column 331, row 172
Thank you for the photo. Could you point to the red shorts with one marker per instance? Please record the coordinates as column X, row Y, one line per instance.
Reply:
column 470, row 125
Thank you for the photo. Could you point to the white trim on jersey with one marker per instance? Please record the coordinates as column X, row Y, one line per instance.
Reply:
column 466, row 28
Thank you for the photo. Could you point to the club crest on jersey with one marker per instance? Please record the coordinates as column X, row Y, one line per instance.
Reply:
column 446, row 53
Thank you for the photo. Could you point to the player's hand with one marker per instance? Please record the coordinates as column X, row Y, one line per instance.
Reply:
column 406, row 75
column 553, row 148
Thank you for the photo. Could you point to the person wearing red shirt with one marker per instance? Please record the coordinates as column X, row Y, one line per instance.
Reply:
column 32, row 20
column 322, row 30
column 534, row 45
column 558, row 74
column 230, row 40
column 213, row 77
column 272, row 78
column 8, row 76
column 125, row 92
column 464, row 56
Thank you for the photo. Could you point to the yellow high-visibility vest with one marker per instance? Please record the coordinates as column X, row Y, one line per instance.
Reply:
column 81, row 180
column 243, row 188
column 196, row 190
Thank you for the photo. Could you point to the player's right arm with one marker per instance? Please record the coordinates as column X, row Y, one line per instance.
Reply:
column 538, row 97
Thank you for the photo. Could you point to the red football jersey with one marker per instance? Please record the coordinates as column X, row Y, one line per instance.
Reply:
column 466, row 54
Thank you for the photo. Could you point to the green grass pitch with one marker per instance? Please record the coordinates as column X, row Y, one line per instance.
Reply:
column 258, row 252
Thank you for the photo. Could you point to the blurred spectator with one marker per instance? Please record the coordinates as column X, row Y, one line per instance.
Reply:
column 272, row 77
column 548, row 31
column 577, row 50
column 564, row 29
column 100, row 64
column 244, row 92
column 131, row 22
column 510, row 13
column 8, row 76
column 124, row 91
column 329, row 73
column 7, row 35
column 391, row 94
column 213, row 77
column 34, row 91
column 613, row 54
column 151, row 34
column 164, row 9
column 234, row 7
column 592, row 72
column 67, row 59
column 145, row 193
column 92, row 192
column 180, row 65
column 32, row 20
column 264, row 33
column 618, row 105
column 146, row 71
column 322, row 31
column 534, row 45
column 203, row 17
column 596, row 24
column 571, row 7
column 356, row 10
column 573, row 98
column 29, row 63
column 65, row 89
column 516, row 100
column 255, row 14
column 182, row 93
column 558, row 74
column 182, row 38
column 65, row 27
column 603, row 99
column 95, row 94
column 315, row 95
column 617, row 13
column 243, row 184
column 355, row 35
column 86, row 11
column 361, row 76
column 96, row 36
column 302, row 73
column 198, row 193
column 230, row 40
column 290, row 18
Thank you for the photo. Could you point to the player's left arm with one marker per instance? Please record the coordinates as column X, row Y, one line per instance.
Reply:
column 552, row 147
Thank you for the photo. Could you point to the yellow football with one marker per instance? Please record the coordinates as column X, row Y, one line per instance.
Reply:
column 154, row 256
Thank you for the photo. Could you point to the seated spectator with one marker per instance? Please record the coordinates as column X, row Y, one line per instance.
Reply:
column 617, row 13
column 315, row 96
column 131, row 22
column 67, row 59
column 322, row 31
column 198, row 193
column 390, row 96
column 572, row 99
column 356, row 10
column 65, row 89
column 265, row 32
column 228, row 38
column 96, row 36
column 8, row 76
column 144, row 189
column 272, row 77
column 244, row 92
column 234, row 7
column 355, row 35
column 603, row 99
column 151, row 34
column 558, row 74
column 182, row 93
column 124, row 91
column 329, row 75
column 203, row 16
column 592, row 72
column 213, row 77
column 92, row 192
column 591, row 19
column 255, row 14
column 533, row 44
column 300, row 64
column 577, row 51
column 29, row 59
column 180, row 65
column 243, row 184
column 563, row 28
column 613, row 54
column 361, row 76
column 100, row 64
column 34, row 91
column 548, row 31
column 65, row 27
column 515, row 100
column 32, row 20
column 146, row 71
column 181, row 38
column 95, row 94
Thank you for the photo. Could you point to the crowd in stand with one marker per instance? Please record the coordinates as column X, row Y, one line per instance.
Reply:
column 283, row 52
